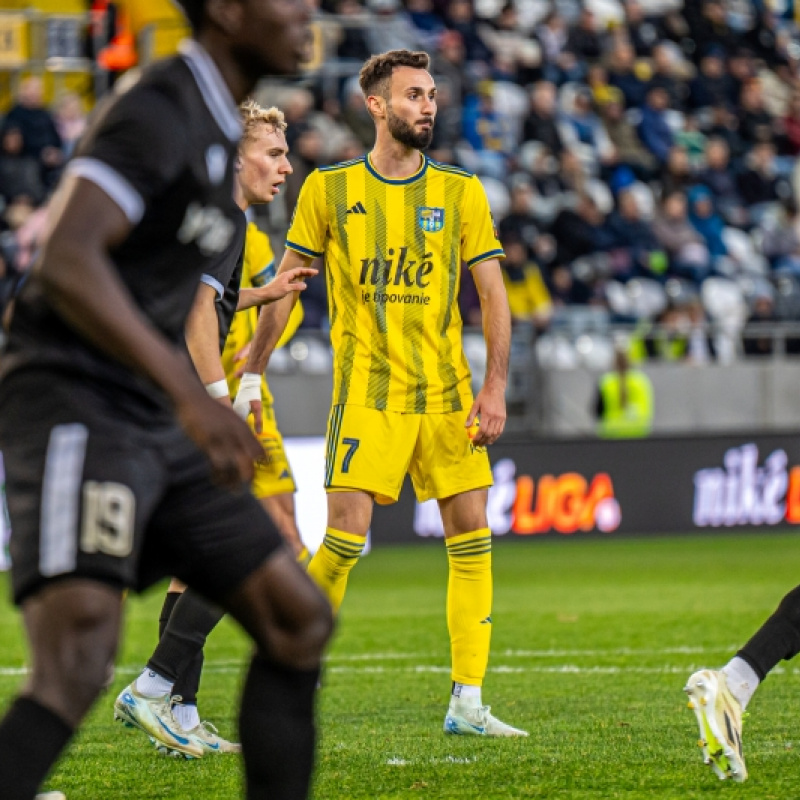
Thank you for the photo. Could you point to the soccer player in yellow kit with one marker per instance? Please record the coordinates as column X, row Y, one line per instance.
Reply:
column 394, row 228
column 273, row 483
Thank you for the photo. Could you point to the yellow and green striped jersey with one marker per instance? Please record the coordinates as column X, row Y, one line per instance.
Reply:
column 258, row 269
column 393, row 251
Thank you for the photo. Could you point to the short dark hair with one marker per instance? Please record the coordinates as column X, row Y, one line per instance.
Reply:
column 194, row 11
column 376, row 74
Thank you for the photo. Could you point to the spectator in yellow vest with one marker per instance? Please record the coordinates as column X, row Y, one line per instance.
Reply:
column 624, row 405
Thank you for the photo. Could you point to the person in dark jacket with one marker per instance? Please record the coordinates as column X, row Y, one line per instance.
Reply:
column 540, row 125
column 38, row 128
column 638, row 251
column 653, row 129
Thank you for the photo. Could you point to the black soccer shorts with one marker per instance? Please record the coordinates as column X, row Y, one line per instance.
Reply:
column 94, row 493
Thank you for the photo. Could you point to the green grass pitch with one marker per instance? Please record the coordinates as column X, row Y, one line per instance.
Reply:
column 593, row 640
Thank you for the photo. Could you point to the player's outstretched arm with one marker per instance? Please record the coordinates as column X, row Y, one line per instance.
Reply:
column 84, row 288
column 282, row 284
column 490, row 403
column 272, row 320
column 202, row 340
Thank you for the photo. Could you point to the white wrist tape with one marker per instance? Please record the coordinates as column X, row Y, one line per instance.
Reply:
column 218, row 388
column 249, row 390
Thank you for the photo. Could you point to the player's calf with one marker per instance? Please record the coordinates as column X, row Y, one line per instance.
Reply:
column 291, row 622
column 72, row 627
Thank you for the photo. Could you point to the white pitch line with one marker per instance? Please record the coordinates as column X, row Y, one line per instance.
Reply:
column 500, row 669
column 551, row 653
column 346, row 658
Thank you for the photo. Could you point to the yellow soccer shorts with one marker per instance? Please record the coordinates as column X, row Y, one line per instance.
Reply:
column 371, row 451
column 273, row 475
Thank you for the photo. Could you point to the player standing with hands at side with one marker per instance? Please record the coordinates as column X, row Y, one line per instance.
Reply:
column 394, row 228
column 109, row 438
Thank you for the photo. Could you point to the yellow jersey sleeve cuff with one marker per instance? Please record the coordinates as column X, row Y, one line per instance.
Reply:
column 483, row 257
column 304, row 251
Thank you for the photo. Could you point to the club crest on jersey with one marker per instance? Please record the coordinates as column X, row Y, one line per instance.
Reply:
column 430, row 220
column 216, row 162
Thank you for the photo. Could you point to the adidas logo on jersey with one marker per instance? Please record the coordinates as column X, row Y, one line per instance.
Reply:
column 358, row 208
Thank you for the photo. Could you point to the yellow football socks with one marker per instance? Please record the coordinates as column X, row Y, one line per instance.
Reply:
column 469, row 604
column 332, row 563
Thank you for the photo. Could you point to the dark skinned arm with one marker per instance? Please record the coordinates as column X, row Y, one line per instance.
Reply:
column 82, row 285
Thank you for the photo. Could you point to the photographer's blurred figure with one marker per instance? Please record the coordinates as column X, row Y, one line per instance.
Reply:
column 624, row 406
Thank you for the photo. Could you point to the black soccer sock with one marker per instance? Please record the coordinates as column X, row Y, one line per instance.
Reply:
column 166, row 610
column 192, row 619
column 777, row 639
column 276, row 726
column 31, row 740
column 188, row 683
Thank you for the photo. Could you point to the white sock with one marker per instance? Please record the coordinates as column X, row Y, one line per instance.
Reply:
column 465, row 691
column 151, row 684
column 187, row 715
column 742, row 680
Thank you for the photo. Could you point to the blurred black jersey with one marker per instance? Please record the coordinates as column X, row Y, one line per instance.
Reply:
column 163, row 150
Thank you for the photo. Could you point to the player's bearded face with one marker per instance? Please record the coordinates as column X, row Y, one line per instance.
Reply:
column 409, row 133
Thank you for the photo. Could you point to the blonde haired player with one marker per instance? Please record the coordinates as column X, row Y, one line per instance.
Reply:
column 273, row 483
column 394, row 228
column 162, row 701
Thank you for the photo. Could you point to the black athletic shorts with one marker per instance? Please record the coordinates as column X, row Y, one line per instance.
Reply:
column 94, row 493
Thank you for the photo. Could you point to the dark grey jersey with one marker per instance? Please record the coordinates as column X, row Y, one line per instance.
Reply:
column 163, row 150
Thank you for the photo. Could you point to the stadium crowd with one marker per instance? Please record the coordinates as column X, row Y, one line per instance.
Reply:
column 644, row 144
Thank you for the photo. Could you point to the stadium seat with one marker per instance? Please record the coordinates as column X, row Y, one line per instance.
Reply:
column 312, row 356
column 578, row 319
column 567, row 94
column 648, row 297
column 475, row 351
column 680, row 291
column 725, row 305
column 529, row 153
column 742, row 249
column 754, row 286
column 555, row 351
column 787, row 297
column 601, row 195
column 618, row 299
column 513, row 99
column 498, row 196
column 595, row 351
column 645, row 200
column 280, row 362
column 608, row 13
column 723, row 300
column 675, row 119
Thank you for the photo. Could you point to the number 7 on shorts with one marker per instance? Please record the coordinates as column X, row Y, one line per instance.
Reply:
column 352, row 446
